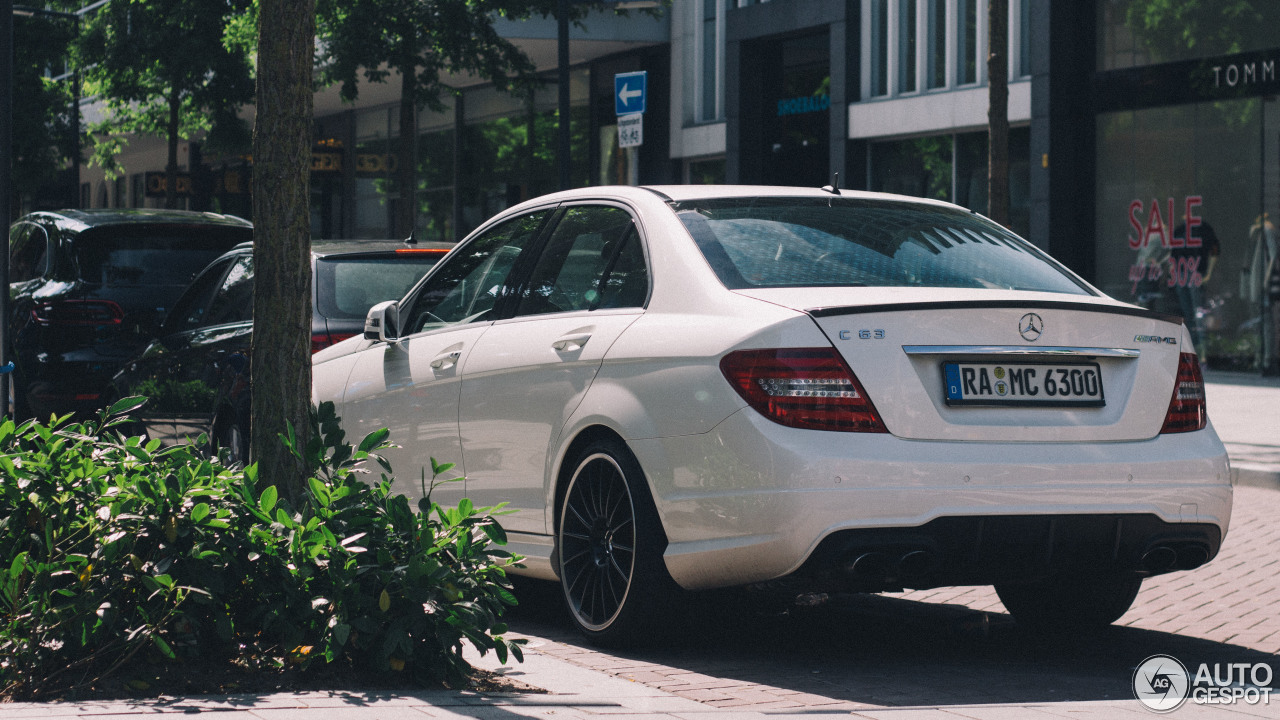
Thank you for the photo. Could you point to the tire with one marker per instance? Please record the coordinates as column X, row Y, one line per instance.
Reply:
column 610, row 544
column 1071, row 603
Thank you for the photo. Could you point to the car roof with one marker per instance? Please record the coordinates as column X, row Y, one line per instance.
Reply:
column 79, row 220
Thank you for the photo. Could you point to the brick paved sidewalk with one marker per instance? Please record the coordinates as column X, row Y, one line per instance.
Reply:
column 956, row 646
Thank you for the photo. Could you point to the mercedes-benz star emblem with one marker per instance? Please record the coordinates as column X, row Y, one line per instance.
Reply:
column 1030, row 327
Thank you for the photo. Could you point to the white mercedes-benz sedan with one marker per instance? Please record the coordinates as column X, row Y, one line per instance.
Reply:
column 702, row 387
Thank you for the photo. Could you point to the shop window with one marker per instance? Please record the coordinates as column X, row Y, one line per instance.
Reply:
column 510, row 145
column 920, row 167
column 707, row 171
column 375, row 162
column 1158, row 214
column 1146, row 32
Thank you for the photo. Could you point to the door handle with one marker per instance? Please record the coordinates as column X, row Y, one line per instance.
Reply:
column 447, row 360
column 571, row 342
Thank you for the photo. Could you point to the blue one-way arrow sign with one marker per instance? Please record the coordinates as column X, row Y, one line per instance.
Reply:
column 628, row 92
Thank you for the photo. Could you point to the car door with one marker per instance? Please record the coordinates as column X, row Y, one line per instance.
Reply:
column 149, row 374
column 214, row 356
column 410, row 384
column 528, row 373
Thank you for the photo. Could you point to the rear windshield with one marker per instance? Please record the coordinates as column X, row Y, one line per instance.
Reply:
column 846, row 242
column 347, row 286
column 146, row 257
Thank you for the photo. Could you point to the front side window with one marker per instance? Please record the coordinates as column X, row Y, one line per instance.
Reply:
column 588, row 263
column 468, row 285
column 189, row 311
column 819, row 242
column 234, row 300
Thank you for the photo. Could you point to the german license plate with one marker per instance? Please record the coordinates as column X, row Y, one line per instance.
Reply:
column 1023, row 384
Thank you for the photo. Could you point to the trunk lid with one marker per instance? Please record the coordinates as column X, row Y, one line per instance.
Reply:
column 910, row 348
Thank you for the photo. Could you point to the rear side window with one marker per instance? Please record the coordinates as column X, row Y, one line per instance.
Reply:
column 592, row 260
column 147, row 257
column 846, row 242
column 348, row 285
column 28, row 252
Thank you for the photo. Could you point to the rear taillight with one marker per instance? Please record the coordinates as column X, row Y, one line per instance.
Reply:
column 78, row 312
column 1187, row 408
column 320, row 341
column 810, row 388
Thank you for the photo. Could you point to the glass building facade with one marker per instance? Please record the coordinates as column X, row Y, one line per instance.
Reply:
column 1187, row 189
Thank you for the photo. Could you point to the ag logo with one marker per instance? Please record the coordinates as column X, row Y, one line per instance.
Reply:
column 1161, row 683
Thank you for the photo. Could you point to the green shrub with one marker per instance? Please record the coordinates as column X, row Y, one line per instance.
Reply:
column 113, row 550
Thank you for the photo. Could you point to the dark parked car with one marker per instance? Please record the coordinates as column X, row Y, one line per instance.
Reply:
column 89, row 288
column 196, row 373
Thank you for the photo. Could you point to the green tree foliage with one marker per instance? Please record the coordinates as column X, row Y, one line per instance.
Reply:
column 170, row 68
column 43, row 130
column 117, row 556
column 423, row 41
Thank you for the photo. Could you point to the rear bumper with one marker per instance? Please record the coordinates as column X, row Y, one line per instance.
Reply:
column 753, row 501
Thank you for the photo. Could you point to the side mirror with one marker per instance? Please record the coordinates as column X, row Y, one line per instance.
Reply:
column 383, row 322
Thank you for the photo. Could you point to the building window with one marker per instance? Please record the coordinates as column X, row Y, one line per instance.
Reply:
column 1024, row 38
column 967, row 42
column 937, row 43
column 906, row 46
column 879, row 48
column 711, row 63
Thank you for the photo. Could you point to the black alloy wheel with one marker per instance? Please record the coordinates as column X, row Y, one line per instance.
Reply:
column 610, row 547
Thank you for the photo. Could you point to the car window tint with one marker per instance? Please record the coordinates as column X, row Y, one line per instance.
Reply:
column 189, row 311
column 141, row 257
column 234, row 300
column 346, row 287
column 467, row 286
column 28, row 252
column 568, row 274
column 814, row 242
column 626, row 281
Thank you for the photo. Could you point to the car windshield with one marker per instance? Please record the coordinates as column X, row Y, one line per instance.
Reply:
column 853, row 242
column 347, row 286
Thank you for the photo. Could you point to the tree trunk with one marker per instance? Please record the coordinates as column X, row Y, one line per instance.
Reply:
column 407, row 154
column 281, row 355
column 171, row 165
column 998, row 112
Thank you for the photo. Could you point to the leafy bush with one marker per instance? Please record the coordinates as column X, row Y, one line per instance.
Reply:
column 113, row 550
